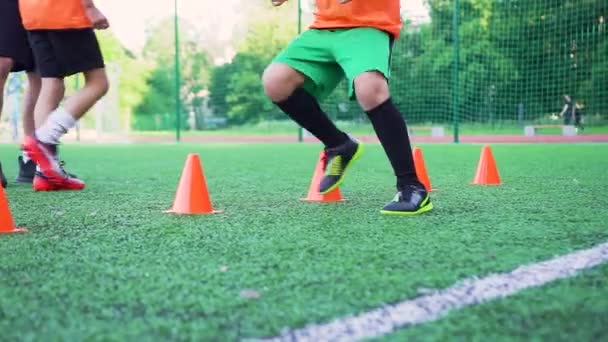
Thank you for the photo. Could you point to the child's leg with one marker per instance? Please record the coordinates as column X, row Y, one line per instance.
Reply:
column 15, row 54
column 368, row 70
column 283, row 85
column 29, row 103
column 65, row 117
column 95, row 87
column 373, row 95
column 14, row 44
column 302, row 72
column 59, row 54
column 371, row 89
column 27, row 167
column 88, row 60
column 42, row 145
column 51, row 94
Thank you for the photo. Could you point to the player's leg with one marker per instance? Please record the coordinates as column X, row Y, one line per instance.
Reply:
column 303, row 73
column 34, row 83
column 55, row 64
column 14, row 44
column 295, row 80
column 10, row 23
column 27, row 167
column 52, row 91
column 10, row 49
column 368, row 72
column 95, row 87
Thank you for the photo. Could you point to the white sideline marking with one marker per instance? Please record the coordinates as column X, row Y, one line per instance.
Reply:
column 389, row 318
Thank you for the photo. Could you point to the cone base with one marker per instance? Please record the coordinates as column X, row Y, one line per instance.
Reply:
column 171, row 211
column 476, row 183
column 15, row 230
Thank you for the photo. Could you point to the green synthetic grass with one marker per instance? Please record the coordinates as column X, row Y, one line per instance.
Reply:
column 574, row 309
column 108, row 264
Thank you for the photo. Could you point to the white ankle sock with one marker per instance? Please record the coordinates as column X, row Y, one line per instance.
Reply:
column 58, row 124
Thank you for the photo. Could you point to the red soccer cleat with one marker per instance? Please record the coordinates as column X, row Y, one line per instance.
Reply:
column 45, row 156
column 43, row 183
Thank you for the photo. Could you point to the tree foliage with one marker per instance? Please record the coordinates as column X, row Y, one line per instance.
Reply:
column 517, row 60
column 157, row 110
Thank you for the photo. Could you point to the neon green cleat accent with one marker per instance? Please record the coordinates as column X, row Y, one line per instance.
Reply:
column 409, row 201
column 338, row 161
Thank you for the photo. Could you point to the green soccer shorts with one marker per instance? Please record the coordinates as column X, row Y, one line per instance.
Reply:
column 326, row 56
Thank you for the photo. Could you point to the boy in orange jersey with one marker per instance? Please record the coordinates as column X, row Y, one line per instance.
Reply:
column 352, row 39
column 15, row 56
column 63, row 41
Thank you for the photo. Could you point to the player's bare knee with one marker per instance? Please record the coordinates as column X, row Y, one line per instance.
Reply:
column 371, row 89
column 274, row 82
column 98, row 81
column 280, row 81
column 103, row 86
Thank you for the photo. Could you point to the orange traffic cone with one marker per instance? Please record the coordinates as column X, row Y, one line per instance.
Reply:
column 7, row 225
column 313, row 190
column 423, row 176
column 487, row 172
column 192, row 196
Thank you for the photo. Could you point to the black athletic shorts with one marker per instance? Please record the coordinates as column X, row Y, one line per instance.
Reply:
column 61, row 53
column 13, row 37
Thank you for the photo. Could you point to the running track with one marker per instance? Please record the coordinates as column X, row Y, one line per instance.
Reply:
column 471, row 139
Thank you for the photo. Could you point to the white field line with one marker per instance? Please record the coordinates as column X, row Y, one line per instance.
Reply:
column 390, row 318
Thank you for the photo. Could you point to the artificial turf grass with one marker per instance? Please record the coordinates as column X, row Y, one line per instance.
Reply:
column 572, row 309
column 107, row 263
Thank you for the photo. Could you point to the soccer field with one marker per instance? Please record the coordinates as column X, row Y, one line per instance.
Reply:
column 108, row 264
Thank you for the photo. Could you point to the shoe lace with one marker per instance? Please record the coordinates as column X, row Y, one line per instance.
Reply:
column 397, row 197
column 406, row 190
column 61, row 166
column 66, row 174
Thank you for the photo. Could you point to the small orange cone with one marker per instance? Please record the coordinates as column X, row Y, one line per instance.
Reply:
column 423, row 176
column 313, row 190
column 192, row 196
column 487, row 172
column 7, row 225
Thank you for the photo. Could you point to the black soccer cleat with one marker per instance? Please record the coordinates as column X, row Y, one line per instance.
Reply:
column 2, row 178
column 410, row 200
column 26, row 171
column 337, row 161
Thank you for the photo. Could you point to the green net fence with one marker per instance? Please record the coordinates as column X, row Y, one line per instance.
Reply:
column 505, row 65
column 517, row 60
column 482, row 66
column 514, row 62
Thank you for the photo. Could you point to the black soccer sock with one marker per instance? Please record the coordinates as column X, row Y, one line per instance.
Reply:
column 391, row 130
column 304, row 109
